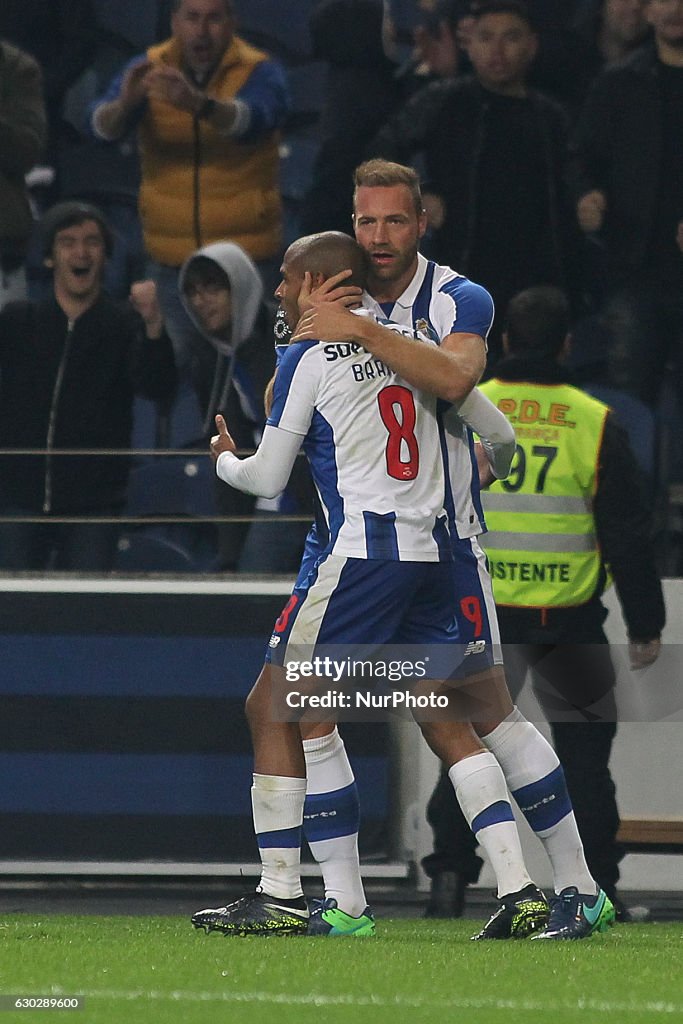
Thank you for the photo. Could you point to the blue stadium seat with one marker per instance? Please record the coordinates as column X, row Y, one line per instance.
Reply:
column 144, row 434
column 185, row 427
column 142, row 551
column 176, row 485
column 179, row 428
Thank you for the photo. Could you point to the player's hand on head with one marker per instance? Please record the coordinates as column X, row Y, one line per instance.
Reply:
column 304, row 300
column 331, row 290
column 328, row 321
column 222, row 441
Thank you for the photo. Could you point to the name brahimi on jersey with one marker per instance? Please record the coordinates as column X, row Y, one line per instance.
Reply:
column 373, row 445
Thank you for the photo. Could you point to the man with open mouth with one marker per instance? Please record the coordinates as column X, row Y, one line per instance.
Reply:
column 70, row 367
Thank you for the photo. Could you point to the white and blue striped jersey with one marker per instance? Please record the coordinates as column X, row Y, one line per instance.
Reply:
column 436, row 303
column 374, row 448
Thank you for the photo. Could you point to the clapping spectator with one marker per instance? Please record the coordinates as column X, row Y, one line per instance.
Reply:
column 439, row 36
column 224, row 297
column 206, row 107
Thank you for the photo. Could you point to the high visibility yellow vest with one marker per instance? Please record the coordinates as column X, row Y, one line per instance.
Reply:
column 541, row 545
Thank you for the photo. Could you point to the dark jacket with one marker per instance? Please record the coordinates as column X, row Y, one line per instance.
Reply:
column 447, row 123
column 622, row 515
column 72, row 386
column 23, row 132
column 360, row 94
column 58, row 33
column 616, row 148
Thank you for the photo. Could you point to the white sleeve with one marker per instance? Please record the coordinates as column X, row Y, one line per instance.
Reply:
column 266, row 473
column 494, row 429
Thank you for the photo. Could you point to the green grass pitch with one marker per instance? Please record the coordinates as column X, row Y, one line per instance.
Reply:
column 144, row 970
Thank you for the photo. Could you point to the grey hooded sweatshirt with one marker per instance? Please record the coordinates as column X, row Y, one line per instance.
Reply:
column 245, row 363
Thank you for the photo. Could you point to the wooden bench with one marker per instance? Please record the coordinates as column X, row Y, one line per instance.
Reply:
column 651, row 835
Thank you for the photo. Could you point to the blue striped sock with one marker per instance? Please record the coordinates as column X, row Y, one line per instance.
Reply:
column 536, row 780
column 332, row 819
column 481, row 791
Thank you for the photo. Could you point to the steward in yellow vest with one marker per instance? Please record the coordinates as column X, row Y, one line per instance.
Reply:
column 572, row 506
column 542, row 544
column 570, row 510
column 570, row 503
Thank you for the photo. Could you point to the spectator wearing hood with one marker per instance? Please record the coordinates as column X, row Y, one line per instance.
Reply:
column 223, row 295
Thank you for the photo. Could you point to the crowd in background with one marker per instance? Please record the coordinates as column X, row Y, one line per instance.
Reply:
column 547, row 137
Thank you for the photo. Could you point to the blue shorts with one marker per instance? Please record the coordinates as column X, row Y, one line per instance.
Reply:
column 475, row 608
column 369, row 602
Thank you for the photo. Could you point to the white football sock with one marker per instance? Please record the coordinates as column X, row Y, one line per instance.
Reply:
column 481, row 791
column 536, row 780
column 278, row 805
column 331, row 819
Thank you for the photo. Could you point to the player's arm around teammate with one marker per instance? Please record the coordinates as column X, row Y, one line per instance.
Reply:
column 449, row 371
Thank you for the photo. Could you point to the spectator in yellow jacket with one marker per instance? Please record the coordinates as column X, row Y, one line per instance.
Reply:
column 206, row 107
